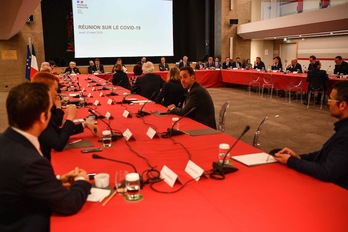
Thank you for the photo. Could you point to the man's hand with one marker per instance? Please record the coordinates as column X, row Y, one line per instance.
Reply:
column 93, row 128
column 71, row 112
column 283, row 155
column 171, row 107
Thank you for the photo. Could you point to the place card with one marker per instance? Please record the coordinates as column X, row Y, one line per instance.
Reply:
column 168, row 176
column 194, row 170
column 110, row 102
column 151, row 133
column 93, row 89
column 126, row 114
column 88, row 85
column 108, row 115
column 83, row 89
column 89, row 95
column 127, row 134
column 96, row 103
column 101, row 94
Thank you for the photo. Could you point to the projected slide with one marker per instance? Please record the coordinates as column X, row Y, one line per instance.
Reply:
column 119, row 28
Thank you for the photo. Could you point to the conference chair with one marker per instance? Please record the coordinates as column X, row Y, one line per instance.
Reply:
column 295, row 87
column 268, row 84
column 316, row 91
column 222, row 114
column 256, row 140
column 254, row 81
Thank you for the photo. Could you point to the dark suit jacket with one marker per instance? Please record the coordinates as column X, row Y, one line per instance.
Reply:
column 90, row 69
column 163, row 67
column 234, row 64
column 147, row 85
column 198, row 97
column 226, row 65
column 57, row 138
column 295, row 68
column 181, row 64
column 277, row 67
column 209, row 65
column 317, row 79
column 118, row 76
column 29, row 189
column 68, row 70
column 260, row 65
column 172, row 92
column 343, row 68
column 101, row 68
column 199, row 66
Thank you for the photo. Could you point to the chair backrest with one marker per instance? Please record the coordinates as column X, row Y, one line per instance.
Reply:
column 256, row 140
column 222, row 114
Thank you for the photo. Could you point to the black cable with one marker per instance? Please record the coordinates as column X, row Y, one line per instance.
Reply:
column 140, row 156
column 170, row 192
column 149, row 124
column 176, row 142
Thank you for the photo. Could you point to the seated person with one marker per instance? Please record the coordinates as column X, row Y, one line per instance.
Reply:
column 138, row 71
column 199, row 65
column 227, row 64
column 120, row 78
column 91, row 67
column 317, row 78
column 72, row 68
column 54, row 136
column 98, row 67
column 53, row 65
column 312, row 60
column 258, row 64
column 198, row 98
column 210, row 64
column 172, row 91
column 237, row 63
column 340, row 66
column 163, row 66
column 248, row 64
column 119, row 61
column 148, row 85
column 330, row 163
column 294, row 66
column 30, row 191
column 45, row 67
column 142, row 61
column 277, row 64
column 184, row 62
column 217, row 63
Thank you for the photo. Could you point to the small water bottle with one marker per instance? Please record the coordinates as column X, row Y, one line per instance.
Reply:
column 175, row 123
column 106, row 138
column 223, row 149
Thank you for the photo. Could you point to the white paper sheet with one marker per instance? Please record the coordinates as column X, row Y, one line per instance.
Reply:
column 255, row 159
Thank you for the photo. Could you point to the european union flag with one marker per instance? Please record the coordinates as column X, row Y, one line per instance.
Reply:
column 28, row 64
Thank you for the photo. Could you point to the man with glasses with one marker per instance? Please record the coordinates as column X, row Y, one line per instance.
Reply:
column 331, row 162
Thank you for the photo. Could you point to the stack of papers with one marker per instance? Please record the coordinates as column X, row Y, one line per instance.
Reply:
column 255, row 159
column 98, row 195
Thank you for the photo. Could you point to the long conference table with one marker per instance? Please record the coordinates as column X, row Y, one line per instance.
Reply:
column 267, row 197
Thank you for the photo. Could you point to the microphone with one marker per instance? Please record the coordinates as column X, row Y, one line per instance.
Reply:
column 142, row 183
column 124, row 101
column 171, row 132
column 95, row 114
column 328, row 68
column 112, row 93
column 222, row 168
column 142, row 113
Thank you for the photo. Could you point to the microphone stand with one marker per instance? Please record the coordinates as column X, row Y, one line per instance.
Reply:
column 142, row 113
column 114, row 136
column 171, row 132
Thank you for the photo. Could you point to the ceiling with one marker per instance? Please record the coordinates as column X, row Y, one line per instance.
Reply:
column 13, row 15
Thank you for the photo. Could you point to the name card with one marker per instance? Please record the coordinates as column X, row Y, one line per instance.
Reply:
column 96, row 103
column 101, row 94
column 93, row 89
column 83, row 90
column 194, row 170
column 168, row 176
column 151, row 133
column 110, row 102
column 126, row 114
column 89, row 95
column 108, row 115
column 128, row 135
column 88, row 85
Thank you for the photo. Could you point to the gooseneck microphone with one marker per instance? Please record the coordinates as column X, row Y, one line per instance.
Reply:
column 328, row 68
column 114, row 136
column 112, row 93
column 221, row 168
column 171, row 132
column 142, row 113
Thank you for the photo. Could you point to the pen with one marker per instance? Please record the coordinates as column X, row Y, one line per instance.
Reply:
column 110, row 197
column 76, row 141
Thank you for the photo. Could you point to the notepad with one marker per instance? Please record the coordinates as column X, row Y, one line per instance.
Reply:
column 98, row 195
column 255, row 159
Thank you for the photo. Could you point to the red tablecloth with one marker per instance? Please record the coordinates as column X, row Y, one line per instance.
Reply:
column 207, row 78
column 260, row 198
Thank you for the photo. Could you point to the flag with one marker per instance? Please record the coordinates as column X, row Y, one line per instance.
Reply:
column 28, row 64
column 33, row 66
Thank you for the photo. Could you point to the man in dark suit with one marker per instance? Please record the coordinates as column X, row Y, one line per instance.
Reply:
column 29, row 189
column 142, row 61
column 317, row 78
column 294, row 66
column 54, row 136
column 227, row 64
column 197, row 97
column 237, row 63
column 72, row 68
column 217, row 63
column 184, row 62
column 331, row 161
column 258, row 64
column 91, row 67
column 98, row 67
column 148, row 85
column 312, row 60
column 341, row 66
column 210, row 64
column 163, row 66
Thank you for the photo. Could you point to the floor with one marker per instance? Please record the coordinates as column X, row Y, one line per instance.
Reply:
column 288, row 124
